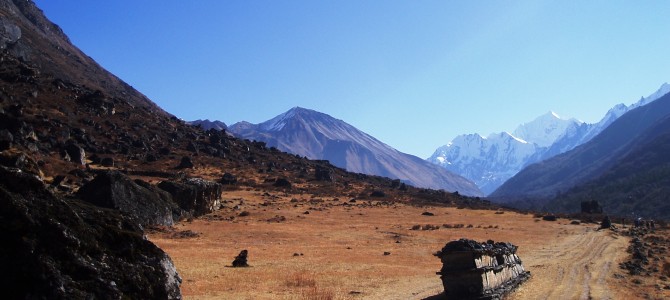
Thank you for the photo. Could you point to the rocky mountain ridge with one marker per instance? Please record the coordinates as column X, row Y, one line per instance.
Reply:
column 319, row 136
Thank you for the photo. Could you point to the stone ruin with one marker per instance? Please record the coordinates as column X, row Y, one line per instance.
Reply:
column 472, row 270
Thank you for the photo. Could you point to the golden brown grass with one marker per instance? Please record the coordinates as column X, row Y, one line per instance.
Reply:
column 343, row 247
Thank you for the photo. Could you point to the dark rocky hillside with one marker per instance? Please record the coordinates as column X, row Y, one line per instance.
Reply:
column 638, row 185
column 86, row 159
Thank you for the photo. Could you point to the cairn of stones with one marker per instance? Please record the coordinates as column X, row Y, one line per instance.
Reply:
column 472, row 270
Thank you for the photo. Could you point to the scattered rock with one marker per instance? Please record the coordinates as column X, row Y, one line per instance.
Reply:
column 387, row 253
column 148, row 204
column 378, row 194
column 76, row 153
column 324, row 174
column 427, row 213
column 277, row 219
column 241, row 260
column 185, row 163
column 549, row 218
column 606, row 223
column 228, row 179
column 107, row 162
column 282, row 182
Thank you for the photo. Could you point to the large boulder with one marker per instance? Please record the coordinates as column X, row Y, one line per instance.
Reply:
column 76, row 153
column 148, row 204
column 57, row 249
column 9, row 33
column 194, row 195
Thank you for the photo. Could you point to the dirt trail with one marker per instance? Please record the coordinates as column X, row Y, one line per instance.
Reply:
column 578, row 266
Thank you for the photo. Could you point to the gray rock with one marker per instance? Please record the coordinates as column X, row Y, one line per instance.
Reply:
column 76, row 153
column 148, row 204
column 194, row 195
column 9, row 33
column 53, row 249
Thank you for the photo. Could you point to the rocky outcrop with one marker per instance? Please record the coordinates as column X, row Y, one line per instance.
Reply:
column 148, row 204
column 75, row 154
column 472, row 270
column 194, row 195
column 9, row 33
column 57, row 249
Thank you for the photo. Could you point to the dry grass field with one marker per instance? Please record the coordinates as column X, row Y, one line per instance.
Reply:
column 306, row 247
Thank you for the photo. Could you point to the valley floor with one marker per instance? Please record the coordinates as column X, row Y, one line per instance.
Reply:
column 303, row 247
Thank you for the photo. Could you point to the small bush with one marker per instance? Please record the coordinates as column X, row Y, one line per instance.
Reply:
column 301, row 279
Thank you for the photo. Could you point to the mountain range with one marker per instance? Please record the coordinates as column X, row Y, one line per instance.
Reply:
column 490, row 161
column 621, row 166
column 317, row 135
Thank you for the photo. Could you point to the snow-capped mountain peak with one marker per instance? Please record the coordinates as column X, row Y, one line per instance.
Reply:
column 492, row 160
column 664, row 89
column 545, row 129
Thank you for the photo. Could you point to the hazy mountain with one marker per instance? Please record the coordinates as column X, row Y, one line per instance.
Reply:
column 587, row 162
column 319, row 136
column 207, row 124
column 490, row 161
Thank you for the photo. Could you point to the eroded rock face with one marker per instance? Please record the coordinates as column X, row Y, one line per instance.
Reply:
column 194, row 195
column 149, row 205
column 473, row 270
column 9, row 33
column 57, row 249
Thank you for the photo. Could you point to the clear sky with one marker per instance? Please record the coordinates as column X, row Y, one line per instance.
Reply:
column 414, row 74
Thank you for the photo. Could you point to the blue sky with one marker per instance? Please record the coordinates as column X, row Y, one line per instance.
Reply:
column 414, row 74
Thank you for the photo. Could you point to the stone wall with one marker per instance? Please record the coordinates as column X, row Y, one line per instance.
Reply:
column 472, row 270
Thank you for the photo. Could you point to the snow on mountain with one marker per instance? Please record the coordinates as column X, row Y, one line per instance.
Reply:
column 487, row 161
column 577, row 135
column 545, row 129
column 490, row 161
